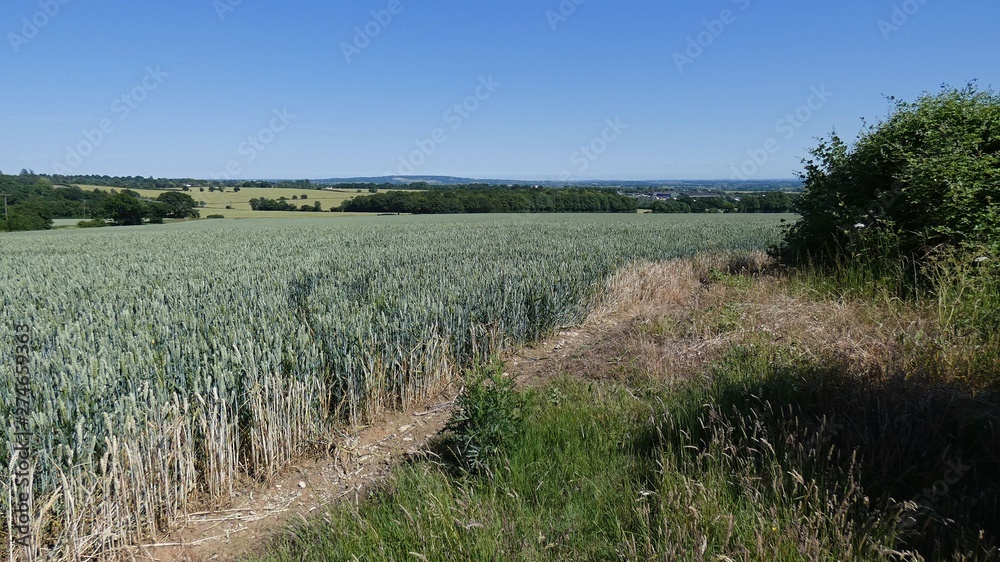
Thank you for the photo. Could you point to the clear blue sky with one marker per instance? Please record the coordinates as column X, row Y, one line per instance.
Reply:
column 265, row 89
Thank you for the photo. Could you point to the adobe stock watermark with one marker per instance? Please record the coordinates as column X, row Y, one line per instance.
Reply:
column 364, row 35
column 926, row 499
column 901, row 14
column 122, row 107
column 21, row 500
column 786, row 127
column 456, row 116
column 714, row 28
column 32, row 26
column 565, row 10
column 828, row 430
column 588, row 153
column 256, row 143
column 225, row 7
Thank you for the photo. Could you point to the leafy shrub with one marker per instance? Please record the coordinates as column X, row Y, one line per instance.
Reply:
column 927, row 177
column 264, row 204
column 671, row 206
column 25, row 219
column 215, row 217
column 488, row 418
column 178, row 205
column 94, row 223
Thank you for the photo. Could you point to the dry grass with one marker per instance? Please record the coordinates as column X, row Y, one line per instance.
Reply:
column 883, row 390
column 657, row 318
column 674, row 318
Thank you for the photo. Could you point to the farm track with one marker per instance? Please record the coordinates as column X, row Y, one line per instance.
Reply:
column 361, row 459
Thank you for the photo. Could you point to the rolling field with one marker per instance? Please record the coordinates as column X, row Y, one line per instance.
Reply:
column 216, row 203
column 168, row 362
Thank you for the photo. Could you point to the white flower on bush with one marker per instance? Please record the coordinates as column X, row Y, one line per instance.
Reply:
column 859, row 225
column 982, row 259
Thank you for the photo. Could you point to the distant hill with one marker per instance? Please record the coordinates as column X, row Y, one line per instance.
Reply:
column 682, row 185
column 138, row 182
column 404, row 180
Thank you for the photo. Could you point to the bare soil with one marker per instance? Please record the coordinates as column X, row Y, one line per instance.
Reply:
column 363, row 459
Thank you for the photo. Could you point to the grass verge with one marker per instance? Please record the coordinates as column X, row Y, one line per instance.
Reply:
column 818, row 427
column 720, row 470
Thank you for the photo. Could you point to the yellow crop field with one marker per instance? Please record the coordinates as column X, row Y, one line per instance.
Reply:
column 216, row 202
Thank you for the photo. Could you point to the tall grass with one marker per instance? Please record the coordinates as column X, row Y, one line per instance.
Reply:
column 605, row 471
column 908, row 460
column 768, row 458
column 958, row 288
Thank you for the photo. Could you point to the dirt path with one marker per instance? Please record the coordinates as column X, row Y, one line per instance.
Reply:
column 620, row 338
column 304, row 488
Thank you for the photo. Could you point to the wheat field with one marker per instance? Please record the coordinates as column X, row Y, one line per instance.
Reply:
column 169, row 362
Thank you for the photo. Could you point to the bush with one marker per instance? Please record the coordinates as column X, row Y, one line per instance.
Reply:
column 671, row 206
column 178, row 205
column 126, row 208
column 25, row 219
column 215, row 217
column 264, row 204
column 95, row 223
column 928, row 177
column 489, row 416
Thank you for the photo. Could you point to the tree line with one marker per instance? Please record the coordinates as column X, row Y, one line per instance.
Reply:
column 771, row 202
column 493, row 200
column 139, row 182
column 33, row 202
column 282, row 204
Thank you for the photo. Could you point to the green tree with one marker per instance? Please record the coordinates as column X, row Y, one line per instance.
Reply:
column 125, row 208
column 749, row 204
column 262, row 204
column 179, row 205
column 671, row 206
column 927, row 177
column 32, row 214
column 157, row 211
